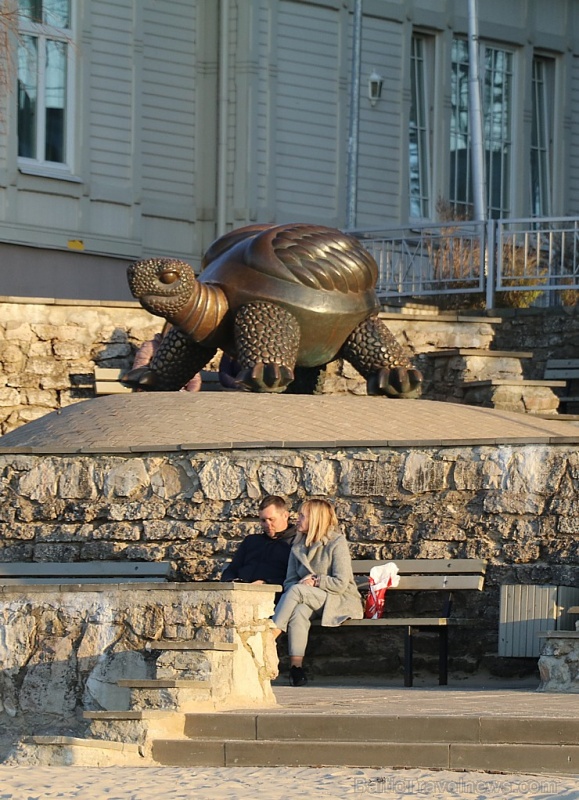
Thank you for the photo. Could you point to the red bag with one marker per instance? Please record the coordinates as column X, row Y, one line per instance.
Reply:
column 381, row 577
column 375, row 601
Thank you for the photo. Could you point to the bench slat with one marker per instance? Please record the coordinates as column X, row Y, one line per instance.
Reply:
column 85, row 569
column 107, row 381
column 392, row 622
column 448, row 583
column 426, row 566
column 78, row 581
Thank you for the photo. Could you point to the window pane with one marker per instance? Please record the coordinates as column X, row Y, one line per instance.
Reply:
column 497, row 128
column 460, row 194
column 54, row 97
column 57, row 13
column 541, row 139
column 27, row 96
column 497, row 112
column 31, row 9
column 419, row 162
column 49, row 12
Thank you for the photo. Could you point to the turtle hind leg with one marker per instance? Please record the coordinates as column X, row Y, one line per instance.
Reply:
column 176, row 361
column 374, row 352
column 267, row 339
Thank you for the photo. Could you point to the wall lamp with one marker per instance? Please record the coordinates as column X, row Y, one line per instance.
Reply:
column 375, row 83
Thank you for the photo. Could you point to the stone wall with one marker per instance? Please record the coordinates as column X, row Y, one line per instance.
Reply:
column 48, row 352
column 515, row 506
column 63, row 651
column 547, row 332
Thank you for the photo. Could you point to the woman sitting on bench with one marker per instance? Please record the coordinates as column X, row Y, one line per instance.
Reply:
column 319, row 583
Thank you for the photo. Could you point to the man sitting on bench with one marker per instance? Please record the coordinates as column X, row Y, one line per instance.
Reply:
column 263, row 558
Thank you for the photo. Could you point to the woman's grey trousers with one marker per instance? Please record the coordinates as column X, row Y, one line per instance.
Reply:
column 294, row 614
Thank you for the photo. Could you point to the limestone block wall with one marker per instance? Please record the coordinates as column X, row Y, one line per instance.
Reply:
column 514, row 505
column 63, row 650
column 48, row 352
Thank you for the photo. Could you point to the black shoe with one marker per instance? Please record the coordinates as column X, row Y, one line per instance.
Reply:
column 297, row 676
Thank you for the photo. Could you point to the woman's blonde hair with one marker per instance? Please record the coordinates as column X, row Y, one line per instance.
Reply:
column 321, row 519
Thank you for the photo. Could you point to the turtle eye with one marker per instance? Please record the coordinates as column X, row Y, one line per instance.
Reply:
column 169, row 276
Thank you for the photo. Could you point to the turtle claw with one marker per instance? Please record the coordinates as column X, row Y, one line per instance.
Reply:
column 264, row 377
column 142, row 378
column 396, row 382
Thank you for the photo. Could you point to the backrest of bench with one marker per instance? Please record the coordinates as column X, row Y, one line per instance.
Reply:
column 83, row 572
column 562, row 368
column 107, row 381
column 436, row 574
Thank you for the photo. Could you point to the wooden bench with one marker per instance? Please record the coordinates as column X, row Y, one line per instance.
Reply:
column 424, row 575
column 107, row 380
column 565, row 369
column 82, row 572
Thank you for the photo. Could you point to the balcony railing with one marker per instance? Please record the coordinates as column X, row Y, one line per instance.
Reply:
column 537, row 255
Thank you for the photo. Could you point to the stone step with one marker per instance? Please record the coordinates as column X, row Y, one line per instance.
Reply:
column 561, row 417
column 523, row 396
column 189, row 644
column 477, row 352
column 135, row 727
column 511, row 382
column 510, row 744
column 68, row 751
column 168, row 694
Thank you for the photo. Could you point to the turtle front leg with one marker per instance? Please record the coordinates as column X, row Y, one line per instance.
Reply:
column 267, row 339
column 374, row 352
column 176, row 361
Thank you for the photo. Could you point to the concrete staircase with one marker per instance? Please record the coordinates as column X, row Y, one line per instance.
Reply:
column 460, row 742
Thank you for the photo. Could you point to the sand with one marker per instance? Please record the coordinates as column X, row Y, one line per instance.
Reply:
column 279, row 783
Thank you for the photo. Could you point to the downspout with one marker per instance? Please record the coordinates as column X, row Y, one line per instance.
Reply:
column 476, row 117
column 352, row 178
column 477, row 152
column 222, row 109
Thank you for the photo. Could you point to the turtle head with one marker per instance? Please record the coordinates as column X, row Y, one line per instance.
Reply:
column 164, row 286
column 168, row 288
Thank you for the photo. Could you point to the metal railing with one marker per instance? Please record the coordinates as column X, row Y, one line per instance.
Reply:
column 537, row 255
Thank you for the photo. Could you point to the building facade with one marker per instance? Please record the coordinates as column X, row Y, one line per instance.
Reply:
column 135, row 128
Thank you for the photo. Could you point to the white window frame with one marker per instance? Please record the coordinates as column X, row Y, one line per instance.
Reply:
column 44, row 32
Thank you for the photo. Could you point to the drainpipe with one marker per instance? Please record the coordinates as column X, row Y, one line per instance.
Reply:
column 477, row 151
column 223, row 103
column 352, row 179
column 476, row 116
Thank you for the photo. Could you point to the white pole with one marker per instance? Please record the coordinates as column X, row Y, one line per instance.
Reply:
column 352, row 178
column 476, row 116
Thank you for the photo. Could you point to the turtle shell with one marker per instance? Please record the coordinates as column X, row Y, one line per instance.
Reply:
column 324, row 277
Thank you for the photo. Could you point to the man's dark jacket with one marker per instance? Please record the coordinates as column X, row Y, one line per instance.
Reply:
column 260, row 557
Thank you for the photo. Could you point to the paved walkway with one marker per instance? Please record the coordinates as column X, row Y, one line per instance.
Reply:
column 166, row 421
column 472, row 696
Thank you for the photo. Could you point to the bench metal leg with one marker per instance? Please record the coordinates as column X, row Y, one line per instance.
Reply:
column 443, row 656
column 408, row 676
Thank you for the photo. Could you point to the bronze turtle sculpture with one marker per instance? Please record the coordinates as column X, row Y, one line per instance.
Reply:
column 279, row 300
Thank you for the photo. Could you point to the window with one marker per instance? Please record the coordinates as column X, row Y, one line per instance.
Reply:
column 44, row 83
column 541, row 136
column 419, row 130
column 497, row 117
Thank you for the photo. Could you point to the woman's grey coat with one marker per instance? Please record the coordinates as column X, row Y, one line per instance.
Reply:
column 331, row 561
